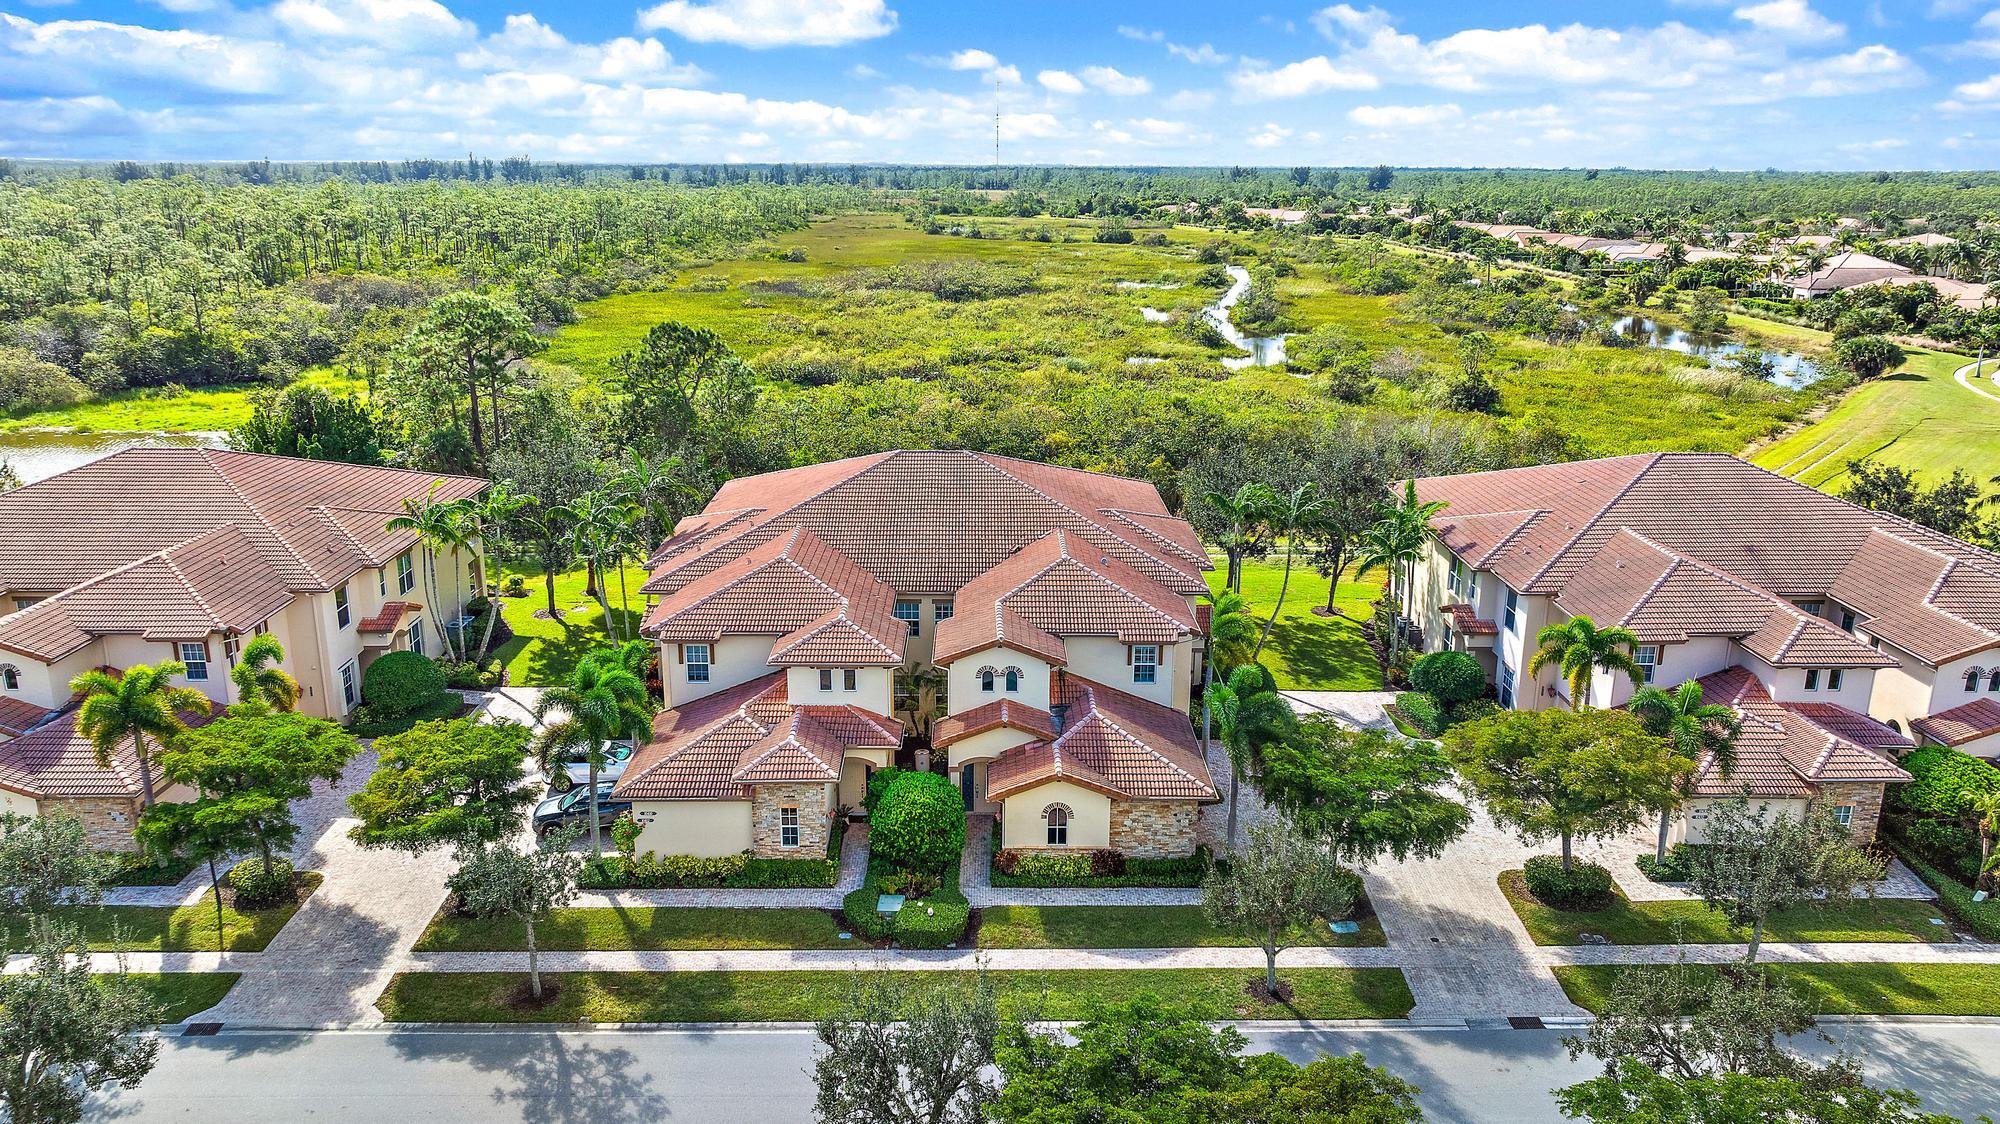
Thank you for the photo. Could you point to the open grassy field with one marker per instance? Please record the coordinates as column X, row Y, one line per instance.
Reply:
column 1842, row 989
column 1308, row 651
column 211, row 409
column 1691, row 922
column 801, row 996
column 1919, row 417
column 544, row 651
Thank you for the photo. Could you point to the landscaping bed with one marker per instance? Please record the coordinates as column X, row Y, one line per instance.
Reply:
column 135, row 869
column 934, row 912
column 802, row 996
column 1954, row 897
column 1156, row 926
column 186, row 928
column 1840, row 989
column 443, row 709
column 639, row 928
column 687, row 872
column 1092, row 870
column 1691, row 922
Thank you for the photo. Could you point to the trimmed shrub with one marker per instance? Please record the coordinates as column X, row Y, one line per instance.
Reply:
column 1449, row 677
column 1953, row 846
column 1940, row 777
column 1583, row 886
column 257, row 886
column 1983, row 918
column 688, row 872
column 933, row 920
column 1472, row 710
column 878, row 783
column 1422, row 711
column 1095, row 870
column 1676, row 868
column 919, row 822
column 1053, row 868
column 400, row 682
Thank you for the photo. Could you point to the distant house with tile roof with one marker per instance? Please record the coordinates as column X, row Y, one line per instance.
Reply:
column 158, row 554
column 1054, row 608
column 1866, row 630
column 1841, row 271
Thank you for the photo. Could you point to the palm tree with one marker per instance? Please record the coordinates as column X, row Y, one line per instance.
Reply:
column 1394, row 543
column 1230, row 631
column 654, row 489
column 1249, row 714
column 484, row 516
column 1695, row 728
column 261, row 685
column 1984, row 808
column 601, row 702
column 1578, row 648
column 595, row 521
column 139, row 705
column 1242, row 514
column 439, row 526
column 1289, row 515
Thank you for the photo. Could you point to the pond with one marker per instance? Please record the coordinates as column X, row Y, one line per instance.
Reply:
column 37, row 454
column 1259, row 351
column 1788, row 370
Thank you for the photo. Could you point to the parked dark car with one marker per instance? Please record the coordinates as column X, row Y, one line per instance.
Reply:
column 573, row 807
column 573, row 769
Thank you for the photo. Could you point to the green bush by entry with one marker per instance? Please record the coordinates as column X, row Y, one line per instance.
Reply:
column 1422, row 711
column 400, row 682
column 919, row 822
column 258, row 886
column 1983, row 918
column 681, row 872
column 1582, row 886
column 1939, row 779
column 935, row 920
column 1449, row 677
column 1068, row 867
column 1097, row 869
column 1676, row 868
column 878, row 783
column 1949, row 844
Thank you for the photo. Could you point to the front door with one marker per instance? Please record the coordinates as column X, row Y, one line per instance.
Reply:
column 965, row 783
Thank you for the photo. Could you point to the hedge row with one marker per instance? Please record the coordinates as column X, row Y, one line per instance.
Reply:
column 687, row 872
column 1095, row 869
column 1983, row 918
column 935, row 920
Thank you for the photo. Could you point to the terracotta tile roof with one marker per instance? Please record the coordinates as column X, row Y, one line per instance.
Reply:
column 1844, row 271
column 1011, row 714
column 836, row 639
column 1062, row 586
column 1466, row 621
column 1540, row 528
column 58, row 762
column 1119, row 744
column 1969, row 722
column 714, row 747
column 18, row 716
column 1788, row 749
column 927, row 522
column 390, row 617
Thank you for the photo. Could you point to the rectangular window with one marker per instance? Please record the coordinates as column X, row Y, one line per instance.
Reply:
column 1145, row 663
column 826, row 679
column 1812, row 607
column 1457, row 572
column 350, row 684
column 697, row 663
column 1509, row 617
column 1506, row 686
column 340, row 612
column 1833, row 680
column 940, row 610
column 23, row 602
column 1812, row 679
column 382, row 582
column 195, row 656
column 1647, row 656
column 406, row 572
column 788, row 827
column 417, row 637
column 910, row 613
column 1847, row 620
column 848, row 679
column 1844, row 815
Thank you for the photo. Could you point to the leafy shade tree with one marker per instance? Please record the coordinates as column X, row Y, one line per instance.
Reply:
column 47, row 861
column 601, row 703
column 1630, row 1092
column 309, row 421
column 1291, row 514
column 440, row 527
column 473, row 341
column 1564, row 774
column 1689, row 1020
column 1578, row 649
column 253, row 767
column 1281, row 883
column 1868, row 356
column 901, row 1054
column 1754, row 864
column 261, row 685
column 1348, row 463
column 1243, row 528
column 1144, row 1060
column 66, row 1032
column 1952, row 506
column 681, row 388
column 204, row 830
column 1697, row 730
column 140, row 708
column 500, row 881
column 1362, row 793
column 1248, row 714
column 459, row 783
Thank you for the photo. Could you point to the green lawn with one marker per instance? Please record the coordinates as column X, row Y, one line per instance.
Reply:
column 187, row 928
column 642, row 928
column 1308, row 651
column 209, row 409
column 1919, row 417
column 1167, row 926
column 1318, row 993
column 1691, row 922
column 180, row 994
column 1843, row 989
column 544, row 651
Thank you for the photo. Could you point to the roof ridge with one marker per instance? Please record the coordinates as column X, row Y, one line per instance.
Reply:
column 1530, row 517
column 257, row 513
column 181, row 575
column 1937, row 587
column 990, row 461
column 1652, row 462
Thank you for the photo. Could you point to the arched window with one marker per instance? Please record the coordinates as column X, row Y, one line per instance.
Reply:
column 1972, row 679
column 1014, row 680
column 1993, row 680
column 986, row 680
column 1058, row 820
column 10, row 677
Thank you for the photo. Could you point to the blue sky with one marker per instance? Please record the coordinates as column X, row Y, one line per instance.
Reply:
column 1815, row 84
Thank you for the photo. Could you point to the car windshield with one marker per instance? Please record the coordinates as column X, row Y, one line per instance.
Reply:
column 619, row 752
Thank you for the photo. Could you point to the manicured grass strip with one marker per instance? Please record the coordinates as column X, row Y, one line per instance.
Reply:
column 641, row 928
column 1307, row 651
column 1841, row 989
column 1691, row 922
column 544, row 651
column 1128, row 926
column 187, row 928
column 1318, row 993
column 181, row 994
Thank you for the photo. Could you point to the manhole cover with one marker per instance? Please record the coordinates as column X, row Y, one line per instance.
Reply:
column 1525, row 1022
column 200, row 1030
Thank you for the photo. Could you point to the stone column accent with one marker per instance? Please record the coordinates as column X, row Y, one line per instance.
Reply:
column 767, row 801
column 108, row 822
column 1151, row 829
column 1867, row 802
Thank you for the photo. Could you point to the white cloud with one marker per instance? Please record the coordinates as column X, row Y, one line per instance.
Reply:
column 1060, row 82
column 1982, row 94
column 1792, row 19
column 1189, row 99
column 1111, row 81
column 1270, row 136
column 1354, row 21
column 1885, row 144
column 392, row 23
column 1203, row 55
column 527, row 44
column 191, row 58
column 863, row 71
column 972, row 59
column 1141, row 34
column 772, row 23
column 1315, row 75
column 1403, row 116
column 1866, row 71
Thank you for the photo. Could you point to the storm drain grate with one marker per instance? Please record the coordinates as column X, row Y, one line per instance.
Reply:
column 200, row 1030
column 1525, row 1022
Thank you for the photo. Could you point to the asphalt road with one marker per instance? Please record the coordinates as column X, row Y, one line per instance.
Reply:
column 753, row 1074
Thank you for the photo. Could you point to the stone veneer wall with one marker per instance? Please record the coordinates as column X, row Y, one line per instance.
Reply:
column 108, row 822
column 1867, row 801
column 1149, row 829
column 815, row 820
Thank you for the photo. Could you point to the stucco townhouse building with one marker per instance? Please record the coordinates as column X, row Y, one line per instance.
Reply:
column 158, row 554
column 1842, row 636
column 1034, row 627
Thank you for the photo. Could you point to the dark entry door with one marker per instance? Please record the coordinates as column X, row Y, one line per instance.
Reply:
column 965, row 785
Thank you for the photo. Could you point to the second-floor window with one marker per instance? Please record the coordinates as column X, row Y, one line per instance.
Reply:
column 1145, row 663
column 1847, row 620
column 195, row 656
column 1509, row 615
column 697, row 663
column 406, row 572
column 340, row 612
column 940, row 610
column 986, row 680
column 10, row 677
column 417, row 637
column 1972, row 679
column 849, row 680
column 1833, row 680
column 911, row 613
column 1812, row 679
column 1013, row 680
column 1993, row 681
column 826, row 679
column 1647, row 656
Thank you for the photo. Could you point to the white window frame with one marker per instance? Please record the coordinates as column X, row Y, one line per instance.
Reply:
column 197, row 668
column 826, row 679
column 1647, row 656
column 1011, row 679
column 1145, row 663
column 788, row 827
column 350, row 684
column 986, row 677
column 705, row 663
column 1993, row 681
column 343, row 609
column 10, row 677
column 1833, row 677
column 1843, row 815
column 911, row 613
column 406, row 571
column 1847, row 620
column 941, row 610
column 1510, row 617
column 1056, row 830
column 417, row 636
column 1506, row 686
column 850, row 680
column 382, row 582
column 1812, row 679
column 1972, row 677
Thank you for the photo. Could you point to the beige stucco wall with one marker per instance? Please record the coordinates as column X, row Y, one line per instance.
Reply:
column 17, row 804
column 1101, row 659
column 962, row 681
column 732, row 660
column 1089, row 823
column 874, row 688
column 854, row 770
column 705, row 828
column 1688, row 829
column 41, row 684
column 984, row 746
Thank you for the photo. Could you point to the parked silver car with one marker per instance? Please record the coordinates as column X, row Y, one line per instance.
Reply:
column 573, row 769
